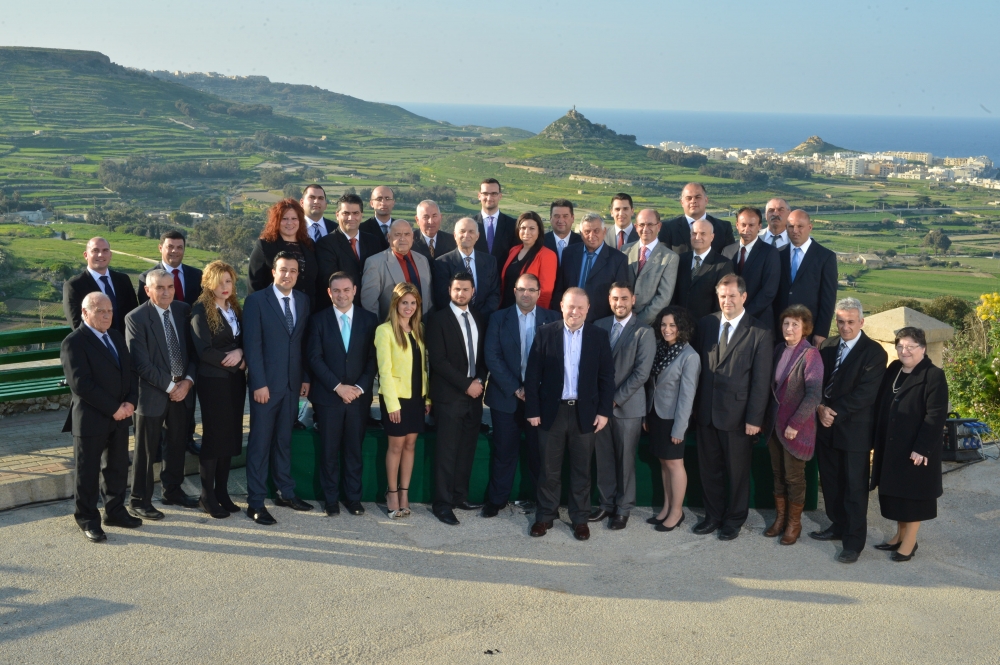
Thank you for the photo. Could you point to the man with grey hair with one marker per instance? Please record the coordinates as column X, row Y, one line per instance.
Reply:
column 853, row 366
column 427, row 240
column 776, row 214
column 393, row 266
column 592, row 265
column 466, row 258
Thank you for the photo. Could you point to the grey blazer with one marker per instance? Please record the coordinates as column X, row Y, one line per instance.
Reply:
column 633, row 357
column 654, row 286
column 382, row 274
column 147, row 344
column 671, row 393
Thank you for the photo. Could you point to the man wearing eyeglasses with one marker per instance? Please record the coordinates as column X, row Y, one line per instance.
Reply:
column 383, row 201
column 497, row 231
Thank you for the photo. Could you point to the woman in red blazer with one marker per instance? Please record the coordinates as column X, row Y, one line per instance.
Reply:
column 529, row 257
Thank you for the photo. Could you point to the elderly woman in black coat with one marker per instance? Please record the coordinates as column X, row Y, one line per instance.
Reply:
column 910, row 411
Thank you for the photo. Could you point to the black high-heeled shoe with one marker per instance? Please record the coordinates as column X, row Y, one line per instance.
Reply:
column 896, row 556
column 663, row 526
column 654, row 520
column 888, row 547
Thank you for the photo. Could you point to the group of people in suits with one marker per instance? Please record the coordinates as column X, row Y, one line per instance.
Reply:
column 577, row 341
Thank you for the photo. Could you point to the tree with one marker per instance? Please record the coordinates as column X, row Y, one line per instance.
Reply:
column 273, row 178
column 889, row 253
column 231, row 237
column 181, row 218
column 292, row 191
column 949, row 309
column 938, row 240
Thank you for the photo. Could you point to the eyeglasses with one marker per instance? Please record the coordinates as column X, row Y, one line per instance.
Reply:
column 523, row 290
column 909, row 348
column 383, row 199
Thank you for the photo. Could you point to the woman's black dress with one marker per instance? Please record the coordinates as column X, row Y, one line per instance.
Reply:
column 259, row 275
column 411, row 416
column 222, row 391
column 510, row 281
column 660, row 443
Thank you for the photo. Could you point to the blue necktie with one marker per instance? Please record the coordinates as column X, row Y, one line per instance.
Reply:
column 529, row 338
column 289, row 319
column 345, row 331
column 112, row 349
column 490, row 233
column 796, row 261
column 586, row 269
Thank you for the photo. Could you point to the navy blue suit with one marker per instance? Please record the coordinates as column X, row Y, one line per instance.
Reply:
column 503, row 359
column 449, row 264
column 610, row 266
column 762, row 273
column 815, row 285
column 277, row 361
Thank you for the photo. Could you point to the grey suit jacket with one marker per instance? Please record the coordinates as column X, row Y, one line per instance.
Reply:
column 147, row 344
column 382, row 274
column 633, row 357
column 654, row 286
column 672, row 392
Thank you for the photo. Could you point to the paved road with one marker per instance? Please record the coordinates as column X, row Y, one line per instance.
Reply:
column 370, row 590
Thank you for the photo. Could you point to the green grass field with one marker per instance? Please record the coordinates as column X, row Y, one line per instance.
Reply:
column 927, row 283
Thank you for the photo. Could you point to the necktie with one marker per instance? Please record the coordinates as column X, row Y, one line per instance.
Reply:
column 586, row 269
column 724, row 340
column 289, row 319
column 489, row 233
column 697, row 262
column 468, row 264
column 385, row 229
column 354, row 247
column 529, row 337
column 468, row 269
column 173, row 347
column 836, row 366
column 345, row 331
column 616, row 332
column 315, row 233
column 112, row 349
column 621, row 239
column 743, row 259
column 643, row 255
column 411, row 271
column 110, row 293
column 471, row 348
column 430, row 246
column 560, row 246
column 796, row 261
column 774, row 240
column 178, row 287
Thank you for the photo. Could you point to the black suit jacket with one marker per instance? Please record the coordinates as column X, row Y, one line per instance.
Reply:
column 260, row 277
column 98, row 387
column 192, row 283
column 334, row 253
column 676, row 233
column 762, row 273
column 372, row 228
column 487, row 276
column 330, row 364
column 76, row 288
column 448, row 356
column 734, row 388
column 549, row 240
column 331, row 225
column 543, row 379
column 815, row 285
column 211, row 346
column 444, row 243
column 696, row 291
column 504, row 238
column 610, row 266
column 853, row 393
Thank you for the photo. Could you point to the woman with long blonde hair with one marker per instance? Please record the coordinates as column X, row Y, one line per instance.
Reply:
column 403, row 399
column 216, row 327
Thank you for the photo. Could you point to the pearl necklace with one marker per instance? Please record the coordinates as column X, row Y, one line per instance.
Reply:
column 894, row 388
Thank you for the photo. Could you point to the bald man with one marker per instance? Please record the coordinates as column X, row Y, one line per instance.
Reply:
column 99, row 277
column 676, row 232
column 395, row 265
column 383, row 201
column 466, row 258
column 808, row 276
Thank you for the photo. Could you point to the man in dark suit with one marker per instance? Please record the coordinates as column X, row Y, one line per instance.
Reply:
column 699, row 272
column 808, row 276
column 465, row 258
column 345, row 249
column 757, row 263
column 593, row 266
column 562, row 235
column 105, row 390
column 676, row 233
column 341, row 350
column 623, row 232
column 455, row 337
column 383, row 201
column 733, row 395
column 99, row 277
column 569, row 390
column 497, row 231
column 853, row 365
column 508, row 341
column 187, row 279
column 274, row 331
column 159, row 341
column 427, row 239
column 314, row 204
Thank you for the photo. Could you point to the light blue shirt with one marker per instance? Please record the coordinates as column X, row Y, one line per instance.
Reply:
column 593, row 262
column 526, row 328
column 572, row 345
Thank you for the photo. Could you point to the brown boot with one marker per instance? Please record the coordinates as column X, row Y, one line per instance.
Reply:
column 794, row 526
column 779, row 518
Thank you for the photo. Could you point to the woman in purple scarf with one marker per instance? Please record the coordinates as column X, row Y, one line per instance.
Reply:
column 797, row 389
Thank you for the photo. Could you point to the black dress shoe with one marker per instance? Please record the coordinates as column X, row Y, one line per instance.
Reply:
column 654, row 521
column 848, row 556
column 228, row 504
column 826, row 534
column 179, row 500
column 599, row 515
column 888, row 547
column 662, row 526
column 332, row 509
column 216, row 511
column 295, row 503
column 465, row 505
column 261, row 516
column 581, row 531
column 123, row 520
column 705, row 527
column 539, row 529
column 618, row 522
column 491, row 509
column 354, row 507
column 729, row 532
column 896, row 556
column 149, row 513
column 95, row 534
column 447, row 516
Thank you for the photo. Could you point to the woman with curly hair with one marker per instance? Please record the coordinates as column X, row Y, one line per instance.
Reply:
column 285, row 231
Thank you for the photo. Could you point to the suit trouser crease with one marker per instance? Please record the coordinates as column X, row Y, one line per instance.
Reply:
column 455, row 450
column 507, row 429
column 101, row 470
column 342, row 431
column 563, row 435
column 171, row 426
column 615, row 448
column 725, row 457
column 270, row 440
column 843, row 474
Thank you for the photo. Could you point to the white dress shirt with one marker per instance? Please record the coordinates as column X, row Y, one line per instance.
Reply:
column 180, row 273
column 782, row 238
column 628, row 231
column 572, row 346
column 848, row 345
column 702, row 256
column 459, row 314
column 281, row 303
column 160, row 311
column 692, row 220
column 97, row 278
column 749, row 247
column 472, row 265
column 732, row 325
column 230, row 316
column 651, row 246
column 320, row 227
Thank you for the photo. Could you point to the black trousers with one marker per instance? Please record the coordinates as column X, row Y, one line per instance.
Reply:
column 507, row 429
column 147, row 439
column 457, row 436
column 724, row 457
column 101, row 470
column 843, row 474
column 553, row 443
column 341, row 430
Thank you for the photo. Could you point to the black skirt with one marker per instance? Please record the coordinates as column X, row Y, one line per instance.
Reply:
column 222, row 403
column 898, row 509
column 411, row 416
column 660, row 444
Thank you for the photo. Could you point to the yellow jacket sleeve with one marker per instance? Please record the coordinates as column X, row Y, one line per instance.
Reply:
column 384, row 348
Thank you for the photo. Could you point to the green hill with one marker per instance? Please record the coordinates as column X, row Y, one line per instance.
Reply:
column 815, row 144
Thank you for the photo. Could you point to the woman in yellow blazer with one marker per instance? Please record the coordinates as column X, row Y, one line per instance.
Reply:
column 403, row 400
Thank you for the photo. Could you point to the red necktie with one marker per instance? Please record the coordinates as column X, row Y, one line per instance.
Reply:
column 621, row 239
column 178, row 287
column 743, row 258
column 354, row 247
column 643, row 251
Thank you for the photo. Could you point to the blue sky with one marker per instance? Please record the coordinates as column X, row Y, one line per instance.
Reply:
column 884, row 58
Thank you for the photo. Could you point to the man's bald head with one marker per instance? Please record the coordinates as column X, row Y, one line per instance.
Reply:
column 97, row 253
column 799, row 227
column 466, row 234
column 400, row 236
column 96, row 311
column 702, row 234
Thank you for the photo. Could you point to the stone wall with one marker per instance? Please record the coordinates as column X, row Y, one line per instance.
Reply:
column 34, row 405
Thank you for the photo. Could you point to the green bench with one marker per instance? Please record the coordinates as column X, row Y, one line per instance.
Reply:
column 29, row 382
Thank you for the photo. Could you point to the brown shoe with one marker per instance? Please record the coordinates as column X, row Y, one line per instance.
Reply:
column 538, row 529
column 794, row 526
column 779, row 517
column 581, row 531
